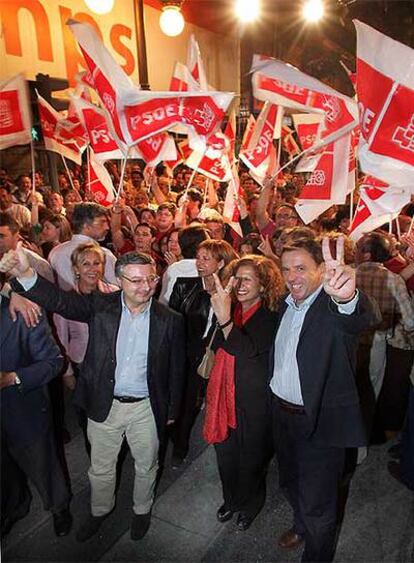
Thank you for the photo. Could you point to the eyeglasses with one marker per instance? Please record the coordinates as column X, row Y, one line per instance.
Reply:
column 141, row 282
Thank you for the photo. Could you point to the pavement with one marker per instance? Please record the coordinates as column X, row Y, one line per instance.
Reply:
column 378, row 525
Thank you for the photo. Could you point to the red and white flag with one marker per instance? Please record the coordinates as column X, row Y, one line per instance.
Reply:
column 289, row 143
column 328, row 183
column 100, row 182
column 157, row 148
column 285, row 85
column 15, row 117
column 96, row 125
column 182, row 79
column 212, row 163
column 231, row 209
column 172, row 164
column 230, row 133
column 49, row 119
column 385, row 90
column 195, row 64
column 258, row 154
column 379, row 203
column 308, row 127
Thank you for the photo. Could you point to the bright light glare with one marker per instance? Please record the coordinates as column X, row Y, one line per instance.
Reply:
column 172, row 21
column 313, row 10
column 247, row 10
column 100, row 6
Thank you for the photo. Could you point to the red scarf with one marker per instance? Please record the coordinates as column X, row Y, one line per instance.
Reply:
column 220, row 398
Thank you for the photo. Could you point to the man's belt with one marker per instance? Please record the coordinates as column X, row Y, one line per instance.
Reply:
column 128, row 399
column 290, row 407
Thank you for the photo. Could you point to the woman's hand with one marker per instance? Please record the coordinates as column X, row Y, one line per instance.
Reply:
column 221, row 300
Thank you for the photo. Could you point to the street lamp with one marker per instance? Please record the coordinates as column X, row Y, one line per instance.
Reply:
column 100, row 6
column 247, row 10
column 313, row 10
column 171, row 19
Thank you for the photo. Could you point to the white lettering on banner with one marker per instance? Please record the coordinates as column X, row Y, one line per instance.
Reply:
column 366, row 117
column 307, row 140
column 99, row 135
column 317, row 178
column 205, row 117
column 291, row 88
column 134, row 121
column 405, row 136
column 155, row 143
column 6, row 118
column 333, row 109
column 159, row 114
column 109, row 103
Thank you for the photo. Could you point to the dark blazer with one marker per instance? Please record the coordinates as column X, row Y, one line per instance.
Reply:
column 34, row 355
column 326, row 356
column 95, row 387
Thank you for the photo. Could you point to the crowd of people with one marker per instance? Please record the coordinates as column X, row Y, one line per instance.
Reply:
column 298, row 341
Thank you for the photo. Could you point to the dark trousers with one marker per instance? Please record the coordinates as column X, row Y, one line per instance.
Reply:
column 193, row 399
column 407, row 444
column 310, row 476
column 242, row 462
column 40, row 463
column 15, row 493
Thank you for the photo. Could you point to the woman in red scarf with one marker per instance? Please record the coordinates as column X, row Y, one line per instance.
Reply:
column 238, row 395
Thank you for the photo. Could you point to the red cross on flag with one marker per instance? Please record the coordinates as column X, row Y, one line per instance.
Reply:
column 385, row 89
column 15, row 119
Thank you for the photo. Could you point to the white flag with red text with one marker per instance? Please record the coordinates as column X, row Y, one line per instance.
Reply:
column 385, row 90
column 283, row 84
column 100, row 182
column 195, row 64
column 379, row 203
column 328, row 183
column 15, row 117
column 307, row 126
column 182, row 79
column 49, row 119
column 259, row 153
column 213, row 162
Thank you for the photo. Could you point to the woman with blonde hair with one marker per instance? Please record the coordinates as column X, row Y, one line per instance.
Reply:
column 238, row 395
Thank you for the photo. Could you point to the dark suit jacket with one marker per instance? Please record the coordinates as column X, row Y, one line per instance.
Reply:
column 33, row 354
column 326, row 356
column 95, row 388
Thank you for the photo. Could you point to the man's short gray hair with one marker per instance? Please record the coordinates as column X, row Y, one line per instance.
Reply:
column 138, row 258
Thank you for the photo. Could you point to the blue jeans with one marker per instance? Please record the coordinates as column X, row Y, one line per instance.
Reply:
column 407, row 444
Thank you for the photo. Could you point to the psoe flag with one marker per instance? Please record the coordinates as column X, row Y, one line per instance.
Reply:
column 15, row 120
column 385, row 89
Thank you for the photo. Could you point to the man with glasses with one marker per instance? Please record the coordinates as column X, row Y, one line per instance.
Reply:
column 131, row 380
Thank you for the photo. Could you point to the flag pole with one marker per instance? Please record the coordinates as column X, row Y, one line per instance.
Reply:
column 351, row 205
column 32, row 157
column 88, row 163
column 68, row 172
column 390, row 225
column 397, row 221
column 121, row 180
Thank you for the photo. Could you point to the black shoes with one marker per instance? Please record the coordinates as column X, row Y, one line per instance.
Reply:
column 224, row 514
column 244, row 521
column 140, row 525
column 90, row 527
column 62, row 522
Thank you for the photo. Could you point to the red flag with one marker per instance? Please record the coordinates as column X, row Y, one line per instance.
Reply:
column 259, row 152
column 378, row 204
column 287, row 86
column 385, row 91
column 248, row 132
column 195, row 64
column 49, row 118
column 289, row 143
column 100, row 137
column 328, row 183
column 15, row 119
column 157, row 148
column 182, row 80
column 212, row 163
column 100, row 184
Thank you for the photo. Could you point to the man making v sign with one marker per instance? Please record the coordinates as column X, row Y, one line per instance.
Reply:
column 315, row 406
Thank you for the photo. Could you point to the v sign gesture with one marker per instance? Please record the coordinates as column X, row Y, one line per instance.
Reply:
column 339, row 279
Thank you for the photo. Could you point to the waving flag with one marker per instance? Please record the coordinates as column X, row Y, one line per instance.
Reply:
column 287, row 86
column 248, row 132
column 182, row 79
column 15, row 119
column 49, row 119
column 231, row 133
column 328, row 183
column 259, row 152
column 231, row 209
column 378, row 204
column 195, row 64
column 157, row 148
column 385, row 89
column 213, row 162
column 100, row 182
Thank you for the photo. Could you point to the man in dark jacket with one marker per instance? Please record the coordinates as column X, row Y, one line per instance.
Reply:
column 131, row 380
column 316, row 407
column 29, row 359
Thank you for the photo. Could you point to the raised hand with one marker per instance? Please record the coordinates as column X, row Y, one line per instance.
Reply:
column 16, row 263
column 221, row 300
column 339, row 279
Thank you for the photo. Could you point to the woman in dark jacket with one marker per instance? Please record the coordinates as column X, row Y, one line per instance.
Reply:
column 245, row 338
column 191, row 297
